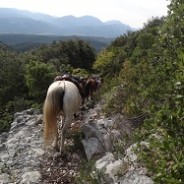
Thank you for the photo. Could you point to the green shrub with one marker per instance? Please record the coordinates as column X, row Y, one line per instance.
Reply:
column 38, row 78
column 7, row 112
column 89, row 174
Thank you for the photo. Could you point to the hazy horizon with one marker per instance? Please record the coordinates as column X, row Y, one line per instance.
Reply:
column 133, row 13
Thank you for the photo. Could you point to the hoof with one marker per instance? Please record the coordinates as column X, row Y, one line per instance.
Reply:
column 63, row 155
column 56, row 147
column 56, row 155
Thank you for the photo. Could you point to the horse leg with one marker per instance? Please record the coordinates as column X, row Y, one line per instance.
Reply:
column 91, row 93
column 66, row 124
column 55, row 144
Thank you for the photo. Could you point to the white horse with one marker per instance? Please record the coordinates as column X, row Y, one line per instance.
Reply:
column 63, row 99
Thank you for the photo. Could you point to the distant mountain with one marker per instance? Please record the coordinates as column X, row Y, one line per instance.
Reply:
column 14, row 21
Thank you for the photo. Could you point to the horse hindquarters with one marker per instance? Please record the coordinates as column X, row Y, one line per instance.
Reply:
column 71, row 103
column 51, row 109
column 62, row 97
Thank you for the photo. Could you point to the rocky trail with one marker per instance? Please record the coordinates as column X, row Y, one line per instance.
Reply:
column 24, row 158
column 64, row 169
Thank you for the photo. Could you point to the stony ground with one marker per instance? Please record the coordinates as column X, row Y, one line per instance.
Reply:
column 58, row 169
column 24, row 158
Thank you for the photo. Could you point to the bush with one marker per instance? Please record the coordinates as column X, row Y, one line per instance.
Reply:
column 38, row 78
column 7, row 112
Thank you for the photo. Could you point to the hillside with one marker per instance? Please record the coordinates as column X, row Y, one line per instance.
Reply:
column 24, row 42
column 16, row 21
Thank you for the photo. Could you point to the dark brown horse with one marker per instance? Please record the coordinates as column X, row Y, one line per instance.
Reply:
column 92, row 84
column 87, row 87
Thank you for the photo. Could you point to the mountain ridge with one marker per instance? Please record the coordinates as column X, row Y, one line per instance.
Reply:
column 17, row 21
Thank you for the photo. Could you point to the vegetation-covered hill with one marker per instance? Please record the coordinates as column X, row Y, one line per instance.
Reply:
column 148, row 76
column 24, row 42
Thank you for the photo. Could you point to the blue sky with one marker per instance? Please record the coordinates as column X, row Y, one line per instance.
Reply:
column 132, row 12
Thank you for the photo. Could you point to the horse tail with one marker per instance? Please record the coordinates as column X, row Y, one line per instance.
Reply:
column 52, row 106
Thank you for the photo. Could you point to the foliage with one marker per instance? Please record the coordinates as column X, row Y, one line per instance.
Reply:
column 151, row 79
column 76, row 53
column 11, row 75
column 103, row 62
column 89, row 174
column 80, row 72
column 13, row 88
column 7, row 112
column 38, row 77
column 129, row 97
column 109, row 62
column 164, row 157
column 5, row 120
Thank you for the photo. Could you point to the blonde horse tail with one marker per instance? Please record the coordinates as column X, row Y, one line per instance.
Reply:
column 52, row 107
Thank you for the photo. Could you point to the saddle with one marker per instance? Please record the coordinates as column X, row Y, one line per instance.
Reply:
column 75, row 81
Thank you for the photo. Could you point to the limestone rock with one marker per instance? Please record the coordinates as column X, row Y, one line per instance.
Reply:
column 21, row 149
